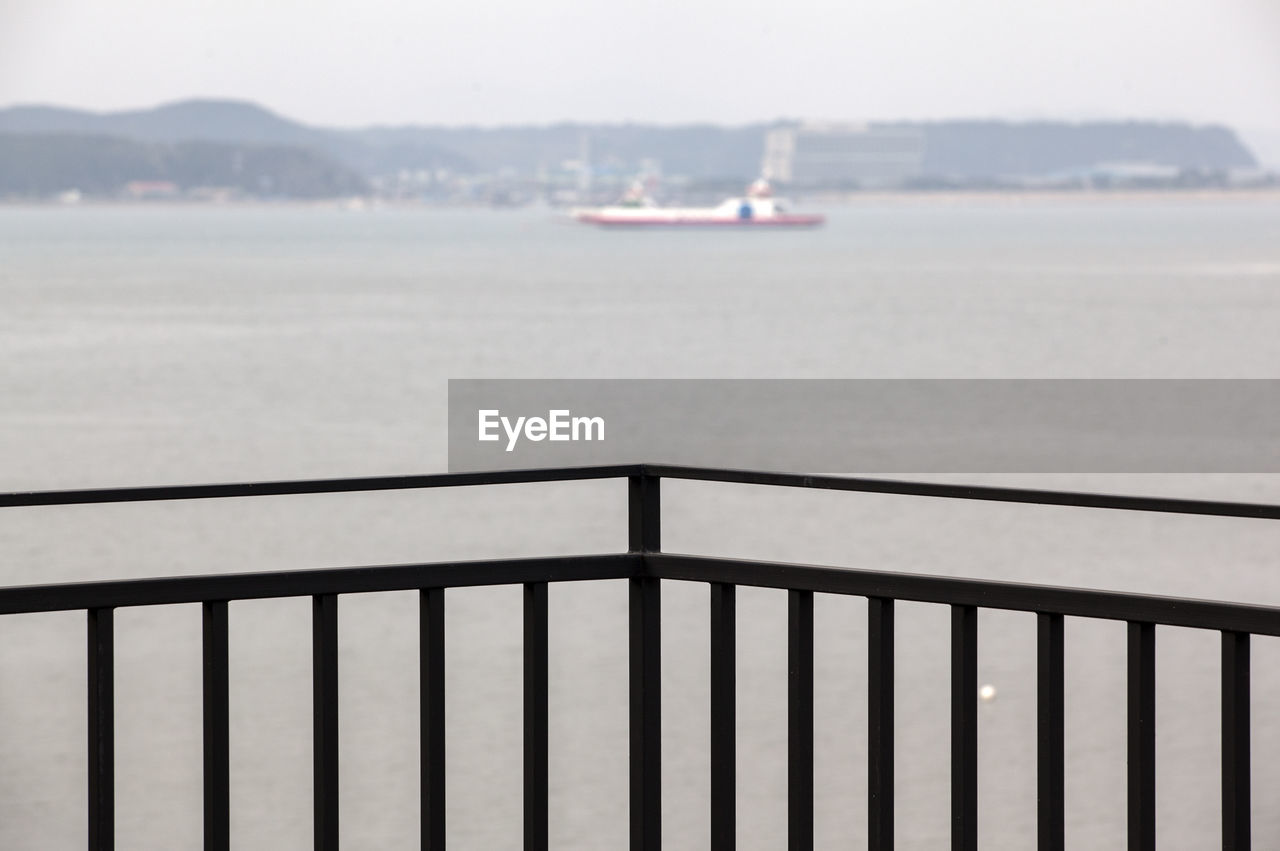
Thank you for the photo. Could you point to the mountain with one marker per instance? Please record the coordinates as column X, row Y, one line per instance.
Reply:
column 207, row 120
column 238, row 122
column 702, row 150
column 991, row 149
column 697, row 150
column 41, row 164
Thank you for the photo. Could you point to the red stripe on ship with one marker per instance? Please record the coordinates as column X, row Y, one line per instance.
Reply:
column 773, row 221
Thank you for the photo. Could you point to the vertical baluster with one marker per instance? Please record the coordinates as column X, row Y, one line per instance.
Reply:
column 880, row 724
column 324, row 707
column 800, row 721
column 1235, row 742
column 431, row 715
column 964, row 728
column 723, row 717
column 645, row 666
column 217, row 743
column 1050, row 764
column 102, row 747
column 646, row 715
column 1142, row 737
column 535, row 716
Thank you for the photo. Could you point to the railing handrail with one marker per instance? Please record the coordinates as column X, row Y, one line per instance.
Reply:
column 911, row 587
column 961, row 591
column 292, row 487
column 201, row 588
column 861, row 484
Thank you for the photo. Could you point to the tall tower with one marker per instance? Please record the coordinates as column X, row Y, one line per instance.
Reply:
column 779, row 154
column 584, row 164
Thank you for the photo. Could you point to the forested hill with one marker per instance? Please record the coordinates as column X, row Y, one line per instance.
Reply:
column 995, row 148
column 36, row 164
column 234, row 122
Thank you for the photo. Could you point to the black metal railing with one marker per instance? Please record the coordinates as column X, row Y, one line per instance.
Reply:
column 645, row 566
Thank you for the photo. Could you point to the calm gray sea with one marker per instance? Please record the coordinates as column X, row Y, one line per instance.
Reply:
column 147, row 345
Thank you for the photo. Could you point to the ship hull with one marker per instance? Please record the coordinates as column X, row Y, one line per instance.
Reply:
column 608, row 221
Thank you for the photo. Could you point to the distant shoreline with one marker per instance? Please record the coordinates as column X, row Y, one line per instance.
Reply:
column 847, row 199
column 1269, row 193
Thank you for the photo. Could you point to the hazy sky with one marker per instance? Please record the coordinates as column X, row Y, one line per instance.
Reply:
column 504, row 61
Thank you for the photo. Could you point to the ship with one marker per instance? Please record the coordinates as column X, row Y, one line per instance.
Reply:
column 758, row 208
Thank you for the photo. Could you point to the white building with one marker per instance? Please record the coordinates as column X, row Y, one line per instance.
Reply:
column 840, row 153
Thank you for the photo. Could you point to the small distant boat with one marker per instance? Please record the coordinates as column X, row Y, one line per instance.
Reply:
column 757, row 209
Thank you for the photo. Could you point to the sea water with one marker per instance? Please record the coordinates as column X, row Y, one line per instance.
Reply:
column 154, row 345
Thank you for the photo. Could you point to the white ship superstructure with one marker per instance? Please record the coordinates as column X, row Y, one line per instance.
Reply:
column 758, row 208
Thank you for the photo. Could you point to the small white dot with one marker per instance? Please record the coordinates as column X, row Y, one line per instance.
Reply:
column 987, row 692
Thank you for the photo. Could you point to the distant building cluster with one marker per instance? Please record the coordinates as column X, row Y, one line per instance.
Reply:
column 843, row 155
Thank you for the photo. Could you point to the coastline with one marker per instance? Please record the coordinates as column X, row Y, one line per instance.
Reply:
column 359, row 204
